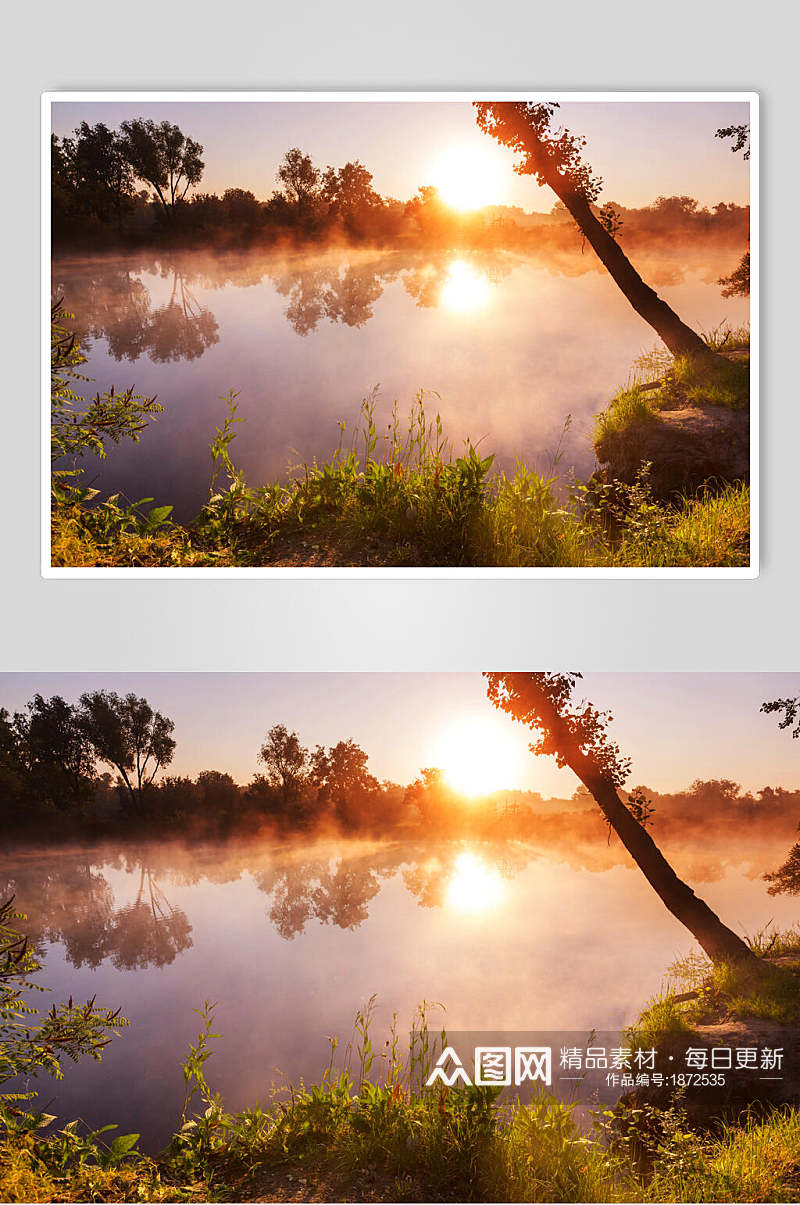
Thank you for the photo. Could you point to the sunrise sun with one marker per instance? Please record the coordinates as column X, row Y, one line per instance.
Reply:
column 479, row 757
column 468, row 177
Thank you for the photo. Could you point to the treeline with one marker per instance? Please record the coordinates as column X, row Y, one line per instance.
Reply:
column 99, row 767
column 140, row 184
column 101, row 764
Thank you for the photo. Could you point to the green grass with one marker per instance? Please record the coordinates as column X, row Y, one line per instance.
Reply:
column 754, row 1161
column 371, row 1130
column 632, row 406
column 711, row 531
column 661, row 1023
column 405, row 498
column 658, row 381
column 391, row 495
column 735, row 990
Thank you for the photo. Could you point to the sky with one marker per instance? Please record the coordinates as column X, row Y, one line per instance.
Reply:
column 642, row 149
column 675, row 727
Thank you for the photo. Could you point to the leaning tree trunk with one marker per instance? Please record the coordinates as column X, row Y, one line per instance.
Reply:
column 719, row 942
column 679, row 338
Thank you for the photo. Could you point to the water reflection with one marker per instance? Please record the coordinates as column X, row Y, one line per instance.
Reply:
column 473, row 886
column 554, row 931
column 114, row 905
column 464, row 288
column 333, row 292
column 110, row 302
column 70, row 901
column 304, row 337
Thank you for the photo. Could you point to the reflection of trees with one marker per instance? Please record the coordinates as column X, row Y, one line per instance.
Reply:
column 70, row 901
column 180, row 330
column 336, row 892
column 148, row 932
column 110, row 302
column 320, row 291
column 335, row 882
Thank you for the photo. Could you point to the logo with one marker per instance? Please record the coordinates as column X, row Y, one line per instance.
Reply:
column 495, row 1066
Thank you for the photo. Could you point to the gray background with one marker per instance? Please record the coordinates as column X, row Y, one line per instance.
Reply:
column 362, row 624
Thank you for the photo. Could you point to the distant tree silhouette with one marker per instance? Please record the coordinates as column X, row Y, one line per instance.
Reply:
column 345, row 784
column 163, row 157
column 285, row 759
column 350, row 196
column 126, row 733
column 100, row 176
column 574, row 732
column 554, row 156
column 45, row 753
column 300, row 180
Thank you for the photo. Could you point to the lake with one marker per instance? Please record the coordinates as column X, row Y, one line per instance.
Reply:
column 561, row 933
column 505, row 347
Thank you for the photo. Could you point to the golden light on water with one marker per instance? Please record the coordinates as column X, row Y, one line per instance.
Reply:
column 474, row 886
column 468, row 177
column 465, row 288
column 479, row 756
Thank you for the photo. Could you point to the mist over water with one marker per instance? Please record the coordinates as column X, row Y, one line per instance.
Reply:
column 289, row 938
column 505, row 345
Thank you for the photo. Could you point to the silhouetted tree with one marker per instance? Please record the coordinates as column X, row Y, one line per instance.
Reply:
column 241, row 207
column 574, row 732
column 351, row 197
column 344, row 783
column 432, row 798
column 101, row 173
column 791, row 713
column 554, row 156
column 738, row 283
column 300, row 180
column 430, row 214
column 163, row 157
column 60, row 754
column 126, row 733
column 786, row 877
column 44, row 754
column 285, row 759
column 740, row 135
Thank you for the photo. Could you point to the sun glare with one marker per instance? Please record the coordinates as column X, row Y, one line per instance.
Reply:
column 474, row 886
column 468, row 177
column 479, row 757
column 464, row 287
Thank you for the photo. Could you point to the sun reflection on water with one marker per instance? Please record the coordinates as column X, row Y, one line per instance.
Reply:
column 464, row 288
column 474, row 886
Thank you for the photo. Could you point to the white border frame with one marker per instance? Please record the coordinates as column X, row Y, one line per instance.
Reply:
column 49, row 571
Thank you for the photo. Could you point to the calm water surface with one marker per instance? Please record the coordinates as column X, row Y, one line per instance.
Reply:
column 290, row 940
column 505, row 347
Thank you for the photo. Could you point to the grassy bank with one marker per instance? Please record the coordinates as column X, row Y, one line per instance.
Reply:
column 394, row 495
column 393, row 1141
column 658, row 383
column 370, row 1130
